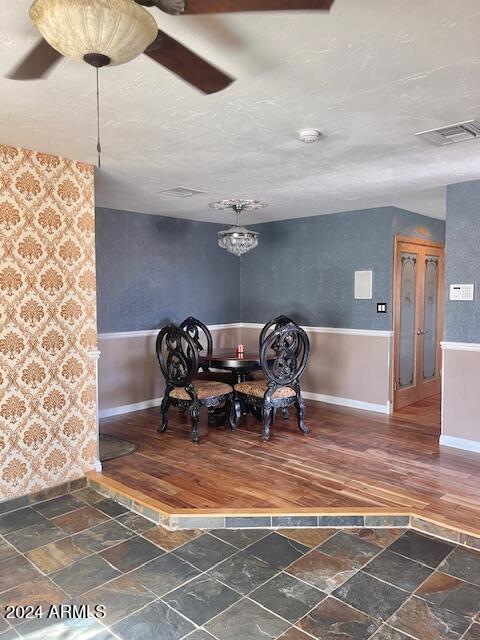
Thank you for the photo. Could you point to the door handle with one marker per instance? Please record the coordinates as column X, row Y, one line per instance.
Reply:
column 420, row 332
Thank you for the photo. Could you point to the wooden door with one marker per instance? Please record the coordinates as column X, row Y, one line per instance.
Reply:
column 418, row 320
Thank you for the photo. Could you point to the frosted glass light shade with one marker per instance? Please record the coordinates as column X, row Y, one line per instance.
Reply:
column 119, row 29
column 238, row 240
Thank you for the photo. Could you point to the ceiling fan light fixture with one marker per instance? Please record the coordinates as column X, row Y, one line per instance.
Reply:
column 117, row 30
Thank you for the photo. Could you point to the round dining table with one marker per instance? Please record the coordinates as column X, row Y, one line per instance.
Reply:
column 239, row 364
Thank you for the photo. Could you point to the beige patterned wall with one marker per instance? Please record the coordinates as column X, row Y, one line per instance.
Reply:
column 47, row 321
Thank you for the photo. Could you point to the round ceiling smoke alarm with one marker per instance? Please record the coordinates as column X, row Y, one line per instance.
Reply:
column 309, row 136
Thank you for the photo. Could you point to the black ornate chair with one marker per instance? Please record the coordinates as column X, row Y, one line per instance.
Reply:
column 202, row 338
column 177, row 355
column 272, row 325
column 281, row 386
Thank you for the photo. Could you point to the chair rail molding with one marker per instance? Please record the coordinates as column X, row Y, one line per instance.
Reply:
column 251, row 325
column 460, row 346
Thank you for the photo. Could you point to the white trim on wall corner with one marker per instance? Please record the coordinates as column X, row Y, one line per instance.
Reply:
column 251, row 325
column 460, row 443
column 127, row 334
column 460, row 346
column 154, row 332
column 348, row 402
column 128, row 408
column 349, row 332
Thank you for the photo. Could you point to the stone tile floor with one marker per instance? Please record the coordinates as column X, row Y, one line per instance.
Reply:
column 293, row 584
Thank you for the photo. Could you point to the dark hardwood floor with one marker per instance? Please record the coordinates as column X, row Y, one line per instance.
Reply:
column 351, row 459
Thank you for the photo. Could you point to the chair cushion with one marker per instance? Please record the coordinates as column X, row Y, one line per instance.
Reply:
column 204, row 389
column 258, row 388
column 256, row 375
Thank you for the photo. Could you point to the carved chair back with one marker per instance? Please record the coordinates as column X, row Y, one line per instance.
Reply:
column 177, row 355
column 276, row 323
column 200, row 335
column 291, row 347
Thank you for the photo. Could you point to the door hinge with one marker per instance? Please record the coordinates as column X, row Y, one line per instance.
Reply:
column 395, row 386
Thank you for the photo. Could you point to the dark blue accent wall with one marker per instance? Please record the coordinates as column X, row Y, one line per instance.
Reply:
column 153, row 269
column 305, row 267
column 462, row 319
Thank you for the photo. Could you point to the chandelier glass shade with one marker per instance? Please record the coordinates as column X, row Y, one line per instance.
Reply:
column 238, row 240
column 118, row 29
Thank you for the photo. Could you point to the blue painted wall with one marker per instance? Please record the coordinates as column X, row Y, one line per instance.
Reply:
column 153, row 269
column 305, row 267
column 462, row 263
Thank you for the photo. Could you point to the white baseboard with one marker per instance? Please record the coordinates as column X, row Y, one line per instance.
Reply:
column 348, row 402
column 308, row 395
column 127, row 408
column 460, row 443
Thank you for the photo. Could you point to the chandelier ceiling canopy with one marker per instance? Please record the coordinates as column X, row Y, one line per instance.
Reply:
column 237, row 239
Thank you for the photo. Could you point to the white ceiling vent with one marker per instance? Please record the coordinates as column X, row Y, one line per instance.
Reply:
column 181, row 192
column 458, row 132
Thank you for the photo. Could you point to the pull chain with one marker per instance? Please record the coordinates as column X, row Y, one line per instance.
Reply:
column 241, row 289
column 99, row 146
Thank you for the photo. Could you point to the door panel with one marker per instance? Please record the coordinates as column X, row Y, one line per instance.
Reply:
column 430, row 317
column 408, row 319
column 418, row 308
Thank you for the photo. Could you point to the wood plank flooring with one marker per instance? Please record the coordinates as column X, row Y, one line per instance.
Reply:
column 350, row 460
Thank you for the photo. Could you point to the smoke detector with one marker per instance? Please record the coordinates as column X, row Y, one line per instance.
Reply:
column 452, row 133
column 309, row 136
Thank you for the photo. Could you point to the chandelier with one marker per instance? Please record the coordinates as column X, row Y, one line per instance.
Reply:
column 100, row 32
column 238, row 240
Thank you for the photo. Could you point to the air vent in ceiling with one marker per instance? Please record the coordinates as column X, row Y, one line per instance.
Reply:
column 458, row 132
column 181, row 192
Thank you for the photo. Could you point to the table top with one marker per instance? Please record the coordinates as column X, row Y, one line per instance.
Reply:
column 228, row 358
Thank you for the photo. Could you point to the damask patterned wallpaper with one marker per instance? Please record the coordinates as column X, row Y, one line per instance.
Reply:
column 47, row 321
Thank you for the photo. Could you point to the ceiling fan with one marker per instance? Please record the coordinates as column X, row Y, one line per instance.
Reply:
column 72, row 27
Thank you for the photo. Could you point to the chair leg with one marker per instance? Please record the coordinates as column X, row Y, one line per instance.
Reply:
column 164, row 413
column 300, row 403
column 256, row 412
column 235, row 413
column 211, row 416
column 195, row 414
column 267, row 419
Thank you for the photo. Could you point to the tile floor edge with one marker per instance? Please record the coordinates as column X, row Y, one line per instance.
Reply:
column 369, row 517
column 29, row 499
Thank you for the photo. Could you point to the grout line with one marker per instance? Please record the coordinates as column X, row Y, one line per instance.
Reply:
column 236, row 551
column 464, row 635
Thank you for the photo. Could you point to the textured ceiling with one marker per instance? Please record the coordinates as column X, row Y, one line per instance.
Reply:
column 368, row 75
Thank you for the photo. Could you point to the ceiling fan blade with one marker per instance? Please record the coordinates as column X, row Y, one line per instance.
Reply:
column 227, row 6
column 192, row 7
column 187, row 65
column 37, row 63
